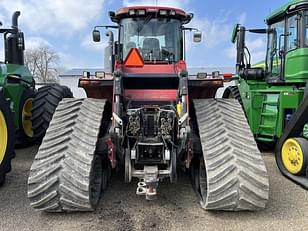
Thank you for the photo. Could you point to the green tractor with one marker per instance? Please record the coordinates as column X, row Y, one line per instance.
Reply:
column 274, row 94
column 25, row 113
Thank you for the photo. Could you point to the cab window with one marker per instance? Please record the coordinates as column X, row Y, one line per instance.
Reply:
column 292, row 37
column 275, row 45
column 306, row 28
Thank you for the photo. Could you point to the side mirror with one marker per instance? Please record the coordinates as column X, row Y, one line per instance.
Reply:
column 1, row 23
column 96, row 36
column 234, row 33
column 197, row 36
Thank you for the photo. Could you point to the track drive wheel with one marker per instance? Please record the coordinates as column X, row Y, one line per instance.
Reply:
column 7, row 137
column 45, row 103
column 294, row 155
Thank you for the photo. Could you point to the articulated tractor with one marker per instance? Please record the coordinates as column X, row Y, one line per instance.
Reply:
column 146, row 115
column 274, row 94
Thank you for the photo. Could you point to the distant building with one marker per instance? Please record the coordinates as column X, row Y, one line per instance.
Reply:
column 70, row 78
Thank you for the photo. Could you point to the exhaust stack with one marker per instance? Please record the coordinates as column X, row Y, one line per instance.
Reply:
column 15, row 20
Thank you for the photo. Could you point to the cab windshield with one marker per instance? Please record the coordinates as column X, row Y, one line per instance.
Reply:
column 157, row 39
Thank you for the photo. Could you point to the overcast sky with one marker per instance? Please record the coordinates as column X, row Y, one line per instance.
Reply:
column 66, row 26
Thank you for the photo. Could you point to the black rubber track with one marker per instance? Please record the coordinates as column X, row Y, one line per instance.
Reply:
column 61, row 176
column 45, row 102
column 5, row 165
column 236, row 175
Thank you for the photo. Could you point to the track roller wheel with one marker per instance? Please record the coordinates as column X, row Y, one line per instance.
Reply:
column 294, row 155
column 7, row 137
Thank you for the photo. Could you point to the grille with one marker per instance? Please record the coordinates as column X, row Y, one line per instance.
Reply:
column 150, row 132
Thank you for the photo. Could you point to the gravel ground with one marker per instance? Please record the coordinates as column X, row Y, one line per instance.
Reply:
column 176, row 208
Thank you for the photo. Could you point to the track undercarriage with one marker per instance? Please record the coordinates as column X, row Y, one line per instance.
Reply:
column 146, row 114
column 230, row 174
column 71, row 168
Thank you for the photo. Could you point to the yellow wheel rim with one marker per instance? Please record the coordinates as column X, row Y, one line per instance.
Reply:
column 3, row 136
column 292, row 156
column 26, row 117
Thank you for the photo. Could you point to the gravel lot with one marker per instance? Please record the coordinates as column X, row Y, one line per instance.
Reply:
column 176, row 208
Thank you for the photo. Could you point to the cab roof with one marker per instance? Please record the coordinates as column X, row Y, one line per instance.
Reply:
column 292, row 4
column 169, row 12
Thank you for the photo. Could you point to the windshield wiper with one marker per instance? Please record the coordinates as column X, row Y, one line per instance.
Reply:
column 146, row 21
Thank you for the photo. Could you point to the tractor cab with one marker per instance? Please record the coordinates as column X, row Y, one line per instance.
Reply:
column 158, row 40
column 287, row 52
column 146, row 47
column 287, row 46
column 157, row 34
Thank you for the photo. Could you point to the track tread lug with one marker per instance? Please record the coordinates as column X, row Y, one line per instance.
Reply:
column 59, row 177
column 237, row 179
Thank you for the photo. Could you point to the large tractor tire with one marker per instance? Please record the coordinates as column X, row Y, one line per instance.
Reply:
column 68, row 173
column 7, row 137
column 45, row 103
column 233, row 92
column 294, row 155
column 24, row 135
column 230, row 174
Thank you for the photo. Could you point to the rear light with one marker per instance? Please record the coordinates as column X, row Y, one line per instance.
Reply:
column 163, row 12
column 100, row 74
column 228, row 75
column 215, row 74
column 86, row 74
column 201, row 75
column 141, row 12
column 172, row 12
column 131, row 12
column 84, row 82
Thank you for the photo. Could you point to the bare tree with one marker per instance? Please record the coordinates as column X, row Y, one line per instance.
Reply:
column 42, row 62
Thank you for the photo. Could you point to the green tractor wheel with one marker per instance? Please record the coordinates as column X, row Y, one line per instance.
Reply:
column 25, row 135
column 7, row 137
column 294, row 155
column 45, row 103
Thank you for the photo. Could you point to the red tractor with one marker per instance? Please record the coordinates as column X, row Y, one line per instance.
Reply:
column 147, row 115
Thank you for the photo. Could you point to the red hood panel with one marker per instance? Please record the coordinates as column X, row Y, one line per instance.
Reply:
column 154, row 68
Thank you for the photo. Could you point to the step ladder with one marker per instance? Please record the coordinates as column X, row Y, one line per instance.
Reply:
column 267, row 128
